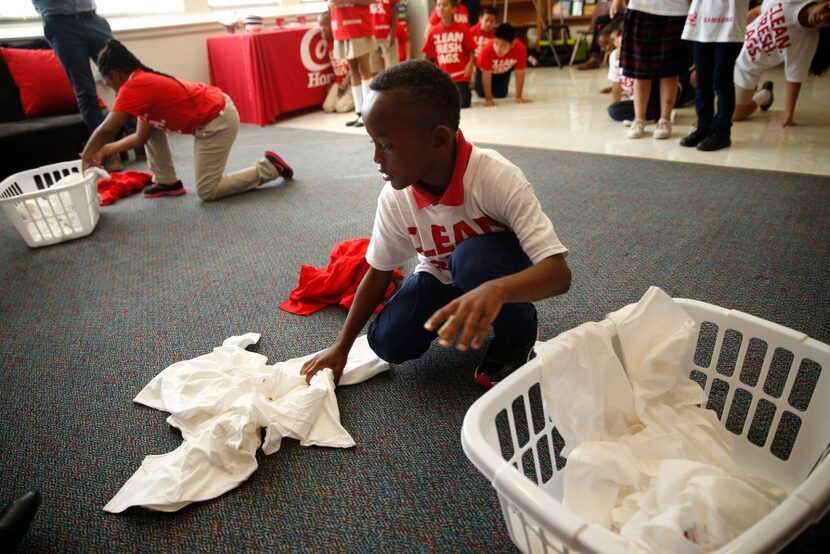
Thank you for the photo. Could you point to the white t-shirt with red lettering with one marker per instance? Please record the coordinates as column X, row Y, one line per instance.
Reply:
column 615, row 74
column 716, row 21
column 461, row 15
column 481, row 37
column 168, row 104
column 451, row 48
column 489, row 60
column 487, row 194
column 350, row 21
column 382, row 16
column 774, row 37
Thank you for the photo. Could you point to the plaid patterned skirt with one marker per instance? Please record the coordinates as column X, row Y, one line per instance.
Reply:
column 652, row 47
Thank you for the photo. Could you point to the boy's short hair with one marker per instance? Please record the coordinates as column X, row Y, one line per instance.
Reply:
column 505, row 31
column 488, row 10
column 428, row 92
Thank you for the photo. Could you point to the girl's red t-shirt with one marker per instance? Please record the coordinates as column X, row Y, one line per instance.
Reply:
column 168, row 104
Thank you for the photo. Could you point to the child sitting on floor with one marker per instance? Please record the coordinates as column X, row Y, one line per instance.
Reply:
column 451, row 46
column 497, row 61
column 163, row 103
column 339, row 97
column 485, row 248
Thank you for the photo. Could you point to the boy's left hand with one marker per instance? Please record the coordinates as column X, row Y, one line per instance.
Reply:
column 470, row 315
column 523, row 100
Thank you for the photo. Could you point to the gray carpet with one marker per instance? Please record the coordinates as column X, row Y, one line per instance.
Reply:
column 86, row 324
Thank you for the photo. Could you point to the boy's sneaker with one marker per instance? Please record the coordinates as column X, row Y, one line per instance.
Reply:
column 767, row 86
column 663, row 130
column 504, row 356
column 283, row 168
column 694, row 138
column 154, row 190
column 637, row 129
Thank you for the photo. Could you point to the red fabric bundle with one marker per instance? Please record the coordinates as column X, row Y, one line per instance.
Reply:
column 120, row 185
column 336, row 283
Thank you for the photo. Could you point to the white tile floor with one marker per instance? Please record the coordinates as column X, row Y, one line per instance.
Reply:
column 568, row 113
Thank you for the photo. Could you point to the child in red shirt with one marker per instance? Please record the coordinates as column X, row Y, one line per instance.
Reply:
column 496, row 62
column 384, row 18
column 163, row 103
column 339, row 97
column 354, row 40
column 485, row 29
column 451, row 46
column 404, row 41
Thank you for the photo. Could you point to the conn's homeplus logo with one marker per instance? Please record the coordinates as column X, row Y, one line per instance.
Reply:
column 314, row 52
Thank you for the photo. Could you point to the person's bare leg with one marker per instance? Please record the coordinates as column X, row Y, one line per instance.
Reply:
column 668, row 95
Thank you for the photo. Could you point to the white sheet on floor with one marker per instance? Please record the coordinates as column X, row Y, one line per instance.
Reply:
column 220, row 402
column 644, row 459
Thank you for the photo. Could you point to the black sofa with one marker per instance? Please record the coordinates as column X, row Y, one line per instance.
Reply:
column 31, row 143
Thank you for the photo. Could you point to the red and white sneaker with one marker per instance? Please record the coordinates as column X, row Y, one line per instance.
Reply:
column 283, row 168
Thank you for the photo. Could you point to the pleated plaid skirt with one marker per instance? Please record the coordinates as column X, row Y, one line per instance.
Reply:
column 651, row 46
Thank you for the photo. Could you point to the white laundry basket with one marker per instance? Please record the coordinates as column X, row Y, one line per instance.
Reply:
column 770, row 386
column 44, row 214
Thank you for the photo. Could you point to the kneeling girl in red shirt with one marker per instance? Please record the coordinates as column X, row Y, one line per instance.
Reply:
column 162, row 103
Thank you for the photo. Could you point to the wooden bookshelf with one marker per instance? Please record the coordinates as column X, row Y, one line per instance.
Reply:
column 522, row 15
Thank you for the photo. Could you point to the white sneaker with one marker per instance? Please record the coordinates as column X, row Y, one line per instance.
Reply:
column 663, row 130
column 636, row 130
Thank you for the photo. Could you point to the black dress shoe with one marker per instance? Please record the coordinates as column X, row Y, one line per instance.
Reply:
column 715, row 141
column 16, row 518
column 355, row 122
column 694, row 138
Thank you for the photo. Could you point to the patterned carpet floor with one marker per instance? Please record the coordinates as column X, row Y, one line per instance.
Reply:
column 87, row 323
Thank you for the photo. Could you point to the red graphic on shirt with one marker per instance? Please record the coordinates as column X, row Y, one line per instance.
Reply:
column 445, row 240
column 691, row 19
column 769, row 34
column 451, row 47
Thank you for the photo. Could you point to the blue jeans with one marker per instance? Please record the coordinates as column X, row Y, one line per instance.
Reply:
column 715, row 64
column 76, row 40
column 397, row 334
column 498, row 85
column 624, row 109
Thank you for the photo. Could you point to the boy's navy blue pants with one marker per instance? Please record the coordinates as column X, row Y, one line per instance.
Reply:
column 715, row 65
column 397, row 334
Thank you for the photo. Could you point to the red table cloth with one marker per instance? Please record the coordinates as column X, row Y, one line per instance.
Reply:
column 270, row 73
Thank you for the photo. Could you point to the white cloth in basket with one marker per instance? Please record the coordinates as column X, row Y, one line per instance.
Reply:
column 221, row 401
column 644, row 459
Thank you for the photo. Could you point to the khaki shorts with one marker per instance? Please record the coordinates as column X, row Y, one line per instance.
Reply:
column 354, row 48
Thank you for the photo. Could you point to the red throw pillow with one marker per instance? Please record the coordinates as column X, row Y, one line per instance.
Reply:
column 42, row 82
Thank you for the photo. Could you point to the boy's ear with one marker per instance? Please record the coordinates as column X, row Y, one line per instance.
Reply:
column 442, row 137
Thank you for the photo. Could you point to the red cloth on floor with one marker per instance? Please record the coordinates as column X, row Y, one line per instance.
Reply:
column 120, row 185
column 336, row 283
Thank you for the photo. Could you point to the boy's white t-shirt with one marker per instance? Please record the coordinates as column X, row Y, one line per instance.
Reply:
column 615, row 75
column 716, row 21
column 774, row 37
column 660, row 7
column 488, row 194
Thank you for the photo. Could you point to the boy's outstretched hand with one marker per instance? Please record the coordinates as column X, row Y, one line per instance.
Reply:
column 470, row 315
column 331, row 357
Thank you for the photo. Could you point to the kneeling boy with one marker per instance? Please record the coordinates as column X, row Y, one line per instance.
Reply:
column 485, row 248
column 496, row 62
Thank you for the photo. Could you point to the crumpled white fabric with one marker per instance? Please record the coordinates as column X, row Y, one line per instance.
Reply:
column 220, row 402
column 644, row 459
